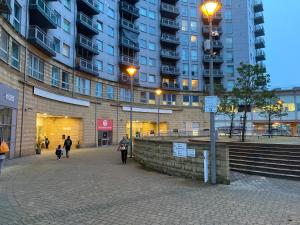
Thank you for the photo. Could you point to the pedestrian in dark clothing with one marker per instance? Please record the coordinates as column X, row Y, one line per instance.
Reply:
column 123, row 147
column 47, row 142
column 58, row 152
column 67, row 146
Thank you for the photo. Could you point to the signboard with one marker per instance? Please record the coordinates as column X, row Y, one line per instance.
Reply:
column 8, row 96
column 211, row 104
column 191, row 153
column 104, row 125
column 180, row 150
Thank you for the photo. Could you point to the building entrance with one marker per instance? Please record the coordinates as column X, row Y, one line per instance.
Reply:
column 146, row 128
column 57, row 129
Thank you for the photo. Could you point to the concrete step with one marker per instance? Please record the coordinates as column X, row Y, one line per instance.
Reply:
column 266, row 159
column 265, row 168
column 266, row 155
column 281, row 152
column 266, row 174
column 265, row 146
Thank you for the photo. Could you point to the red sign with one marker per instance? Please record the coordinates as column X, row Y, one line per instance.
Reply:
column 105, row 125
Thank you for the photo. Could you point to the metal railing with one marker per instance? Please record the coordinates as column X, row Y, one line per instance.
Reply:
column 205, row 29
column 87, row 65
column 169, row 53
column 88, row 43
column 169, row 22
column 41, row 5
column 170, row 8
column 169, row 37
column 130, row 8
column 129, row 25
column 35, row 32
column 93, row 3
column 170, row 85
column 216, row 73
column 129, row 43
column 129, row 60
column 169, row 69
column 87, row 21
column 216, row 58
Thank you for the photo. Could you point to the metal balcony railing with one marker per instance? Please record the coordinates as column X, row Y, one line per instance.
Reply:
column 88, row 43
column 259, row 18
column 258, row 6
column 169, row 70
column 216, row 73
column 130, row 8
column 169, row 54
column 170, row 38
column 216, row 58
column 87, row 66
column 93, row 4
column 44, row 9
column 124, row 59
column 130, row 44
column 205, row 29
column 131, row 26
column 170, row 85
column 39, row 37
column 170, row 23
column 87, row 21
column 259, row 43
column 169, row 8
column 260, row 55
column 259, row 31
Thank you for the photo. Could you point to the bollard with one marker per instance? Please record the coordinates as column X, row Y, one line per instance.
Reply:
column 205, row 165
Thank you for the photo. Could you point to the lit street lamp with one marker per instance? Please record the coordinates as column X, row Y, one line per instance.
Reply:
column 131, row 70
column 158, row 93
column 280, row 103
column 209, row 8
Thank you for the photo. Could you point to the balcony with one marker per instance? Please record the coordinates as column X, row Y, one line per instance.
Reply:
column 260, row 55
column 41, row 15
column 169, row 54
column 87, row 66
column 216, row 19
column 258, row 6
column 260, row 43
column 216, row 44
column 169, row 24
column 129, row 9
column 89, row 7
column 170, row 86
column 259, row 31
column 169, row 70
column 87, row 44
column 217, row 59
column 216, row 74
column 129, row 61
column 129, row 44
column 129, row 26
column 5, row 7
column 170, row 39
column 259, row 18
column 262, row 66
column 40, row 39
column 215, row 29
column 168, row 10
column 86, row 25
column 124, row 78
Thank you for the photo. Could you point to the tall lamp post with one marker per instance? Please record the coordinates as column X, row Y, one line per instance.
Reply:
column 209, row 8
column 131, row 70
column 280, row 103
column 158, row 94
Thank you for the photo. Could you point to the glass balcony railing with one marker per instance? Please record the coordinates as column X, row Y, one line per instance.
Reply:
column 170, row 38
column 169, row 54
column 124, row 59
column 170, row 23
column 130, row 8
column 88, row 22
column 169, row 70
column 169, row 8
column 88, row 43
column 130, row 44
column 131, row 26
column 44, row 9
column 40, row 38
column 87, row 66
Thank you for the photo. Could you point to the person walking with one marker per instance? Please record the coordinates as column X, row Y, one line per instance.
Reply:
column 3, row 150
column 58, row 152
column 123, row 147
column 67, row 146
column 47, row 142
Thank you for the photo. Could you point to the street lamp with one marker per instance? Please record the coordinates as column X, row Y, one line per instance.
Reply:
column 158, row 93
column 280, row 103
column 131, row 70
column 209, row 8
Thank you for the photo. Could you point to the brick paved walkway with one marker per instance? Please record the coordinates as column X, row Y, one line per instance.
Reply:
column 93, row 188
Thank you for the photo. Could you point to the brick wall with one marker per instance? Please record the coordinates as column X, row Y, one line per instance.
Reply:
column 158, row 155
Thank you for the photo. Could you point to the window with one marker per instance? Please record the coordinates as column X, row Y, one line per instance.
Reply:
column 151, row 14
column 101, row 6
column 143, row 98
column 110, row 49
column 17, row 16
column 194, row 26
column 185, row 39
column 186, row 100
column 55, row 77
column 230, row 85
column 169, row 99
column 227, row 2
column 125, row 95
column 152, row 30
column 193, row 12
column 3, row 45
column 110, row 31
column 151, row 78
column 65, row 80
column 99, row 64
column 151, row 46
column 110, row 69
column 58, row 17
column 15, row 55
column 185, row 84
column 298, row 107
column 56, row 43
column 111, row 13
column 185, row 69
column 151, row 99
column 143, row 12
column 152, row 62
column 35, row 67
column 194, row 55
column 194, row 70
column 228, row 28
column 66, row 50
column 67, row 26
column 228, row 15
column 185, row 55
column 193, row 38
column 229, row 70
column 184, row 11
column 228, row 42
column 229, row 57
column 98, row 90
column 100, row 45
column 67, row 4
column 100, row 26
column 190, row 100
column 195, row 85
column 184, row 25
column 82, row 86
column 195, row 100
column 109, row 92
column 143, row 60
column 143, row 43
column 143, row 77
column 143, row 27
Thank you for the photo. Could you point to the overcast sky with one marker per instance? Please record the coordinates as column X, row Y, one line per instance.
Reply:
column 282, row 28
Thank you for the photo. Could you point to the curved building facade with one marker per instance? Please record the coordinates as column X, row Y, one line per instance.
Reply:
column 63, row 67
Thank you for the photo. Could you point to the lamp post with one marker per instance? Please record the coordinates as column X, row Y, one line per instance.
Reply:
column 158, row 94
column 209, row 8
column 280, row 102
column 131, row 70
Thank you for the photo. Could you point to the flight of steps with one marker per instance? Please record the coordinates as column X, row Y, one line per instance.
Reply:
column 279, row 161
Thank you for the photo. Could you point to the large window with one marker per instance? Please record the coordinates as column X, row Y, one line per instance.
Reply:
column 82, row 86
column 67, row 26
column 15, row 55
column 55, row 77
column 125, row 95
column 65, row 80
column 5, row 124
column 109, row 92
column 3, row 45
column 190, row 100
column 98, row 90
column 35, row 67
column 17, row 17
column 169, row 99
column 143, row 98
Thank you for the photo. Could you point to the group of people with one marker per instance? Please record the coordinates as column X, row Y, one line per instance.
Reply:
column 66, row 147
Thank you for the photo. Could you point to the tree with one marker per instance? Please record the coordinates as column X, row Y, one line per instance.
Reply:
column 229, row 107
column 271, row 107
column 250, row 85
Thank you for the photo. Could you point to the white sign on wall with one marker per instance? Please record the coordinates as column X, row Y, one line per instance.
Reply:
column 211, row 104
column 180, row 150
column 191, row 153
